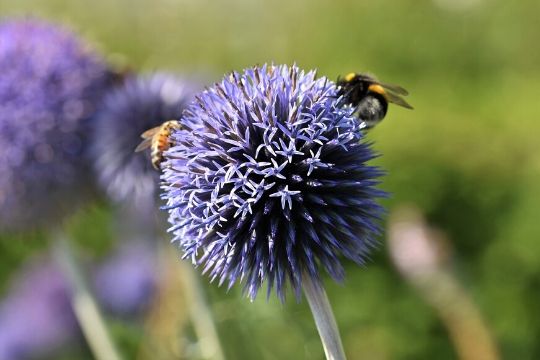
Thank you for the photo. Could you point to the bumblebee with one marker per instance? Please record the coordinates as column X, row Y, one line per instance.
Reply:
column 158, row 140
column 370, row 97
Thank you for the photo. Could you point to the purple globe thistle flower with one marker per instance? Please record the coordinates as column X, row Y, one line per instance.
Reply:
column 36, row 318
column 49, row 87
column 268, row 181
column 126, row 282
column 140, row 104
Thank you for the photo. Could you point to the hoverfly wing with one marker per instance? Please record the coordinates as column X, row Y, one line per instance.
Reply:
column 145, row 144
column 395, row 99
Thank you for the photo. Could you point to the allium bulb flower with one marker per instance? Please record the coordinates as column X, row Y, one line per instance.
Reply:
column 36, row 318
column 50, row 84
column 142, row 103
column 268, row 181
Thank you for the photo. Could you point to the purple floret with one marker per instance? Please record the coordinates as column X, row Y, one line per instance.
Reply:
column 50, row 85
column 126, row 282
column 142, row 103
column 268, row 181
column 36, row 318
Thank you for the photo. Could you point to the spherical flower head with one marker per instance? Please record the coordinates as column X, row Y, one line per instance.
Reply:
column 36, row 317
column 142, row 103
column 268, row 180
column 126, row 282
column 50, row 84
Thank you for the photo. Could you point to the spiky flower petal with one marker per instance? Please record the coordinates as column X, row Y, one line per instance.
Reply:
column 268, row 180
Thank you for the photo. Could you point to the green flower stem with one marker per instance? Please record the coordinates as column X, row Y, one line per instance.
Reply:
column 84, row 305
column 466, row 327
column 324, row 319
column 200, row 314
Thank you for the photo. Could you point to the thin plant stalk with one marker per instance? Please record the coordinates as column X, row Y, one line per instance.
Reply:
column 426, row 267
column 167, row 315
column 84, row 306
column 200, row 315
column 467, row 329
column 324, row 319
column 179, row 292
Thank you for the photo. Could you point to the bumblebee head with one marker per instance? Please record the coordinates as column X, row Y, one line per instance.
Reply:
column 354, row 85
column 350, row 77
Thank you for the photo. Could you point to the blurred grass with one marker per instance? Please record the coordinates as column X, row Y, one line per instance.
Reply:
column 468, row 154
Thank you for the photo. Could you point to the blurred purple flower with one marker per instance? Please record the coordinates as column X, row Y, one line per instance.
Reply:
column 140, row 104
column 36, row 318
column 49, row 85
column 268, row 180
column 126, row 282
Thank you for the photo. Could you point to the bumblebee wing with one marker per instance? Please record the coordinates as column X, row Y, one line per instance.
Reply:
column 395, row 99
column 394, row 88
column 150, row 132
column 145, row 144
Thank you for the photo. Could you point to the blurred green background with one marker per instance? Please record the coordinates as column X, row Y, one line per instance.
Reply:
column 468, row 155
